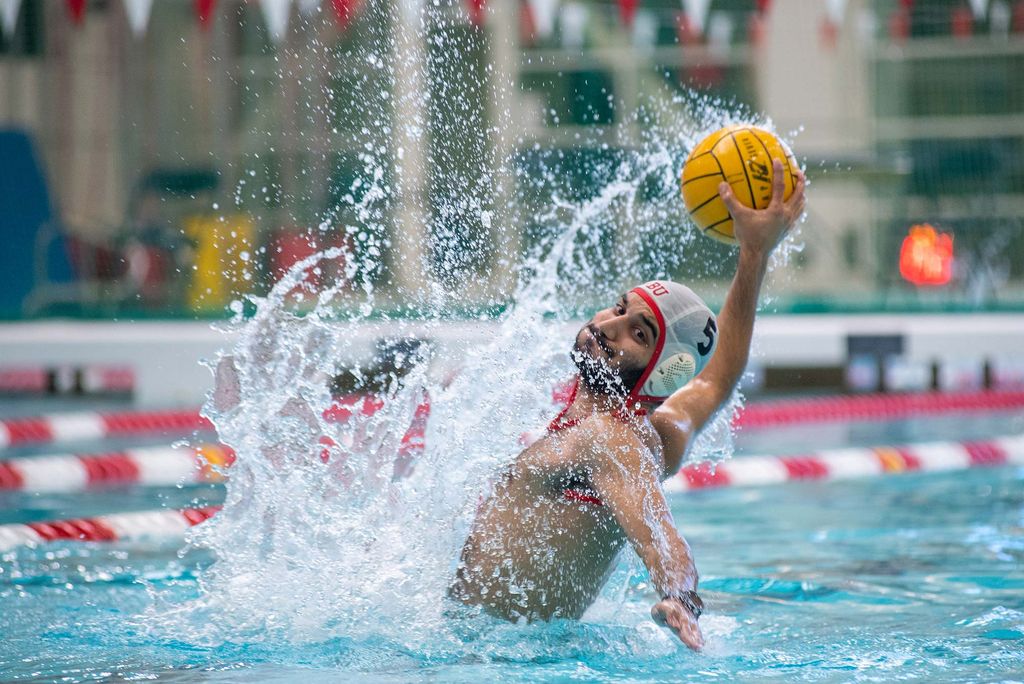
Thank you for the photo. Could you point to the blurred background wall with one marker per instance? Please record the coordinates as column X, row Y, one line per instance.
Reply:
column 157, row 163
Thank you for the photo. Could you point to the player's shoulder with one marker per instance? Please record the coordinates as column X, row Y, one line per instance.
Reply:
column 613, row 431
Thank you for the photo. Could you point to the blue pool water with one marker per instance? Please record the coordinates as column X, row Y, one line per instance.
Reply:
column 914, row 577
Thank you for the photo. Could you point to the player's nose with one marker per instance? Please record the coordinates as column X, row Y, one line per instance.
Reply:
column 610, row 327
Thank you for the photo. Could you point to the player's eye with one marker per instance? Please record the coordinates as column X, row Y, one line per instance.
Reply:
column 640, row 335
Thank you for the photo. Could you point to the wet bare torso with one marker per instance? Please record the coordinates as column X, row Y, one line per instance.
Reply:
column 533, row 551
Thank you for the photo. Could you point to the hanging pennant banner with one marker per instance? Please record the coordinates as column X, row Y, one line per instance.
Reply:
column 829, row 34
column 573, row 19
column 999, row 18
column 835, row 11
column 9, row 16
column 77, row 10
column 204, row 10
column 627, row 10
column 685, row 33
column 720, row 29
column 645, row 29
column 961, row 22
column 476, row 11
column 866, row 25
column 138, row 12
column 697, row 11
column 543, row 13
column 527, row 25
column 756, row 29
column 275, row 14
column 308, row 8
column 899, row 25
column 344, row 12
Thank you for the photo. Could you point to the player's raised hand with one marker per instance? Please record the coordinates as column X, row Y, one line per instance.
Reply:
column 760, row 230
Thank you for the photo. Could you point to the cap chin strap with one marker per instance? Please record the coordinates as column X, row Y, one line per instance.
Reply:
column 635, row 394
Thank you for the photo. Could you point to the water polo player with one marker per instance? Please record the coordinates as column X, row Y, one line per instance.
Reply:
column 653, row 369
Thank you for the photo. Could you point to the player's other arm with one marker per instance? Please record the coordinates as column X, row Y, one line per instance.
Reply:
column 626, row 476
column 758, row 232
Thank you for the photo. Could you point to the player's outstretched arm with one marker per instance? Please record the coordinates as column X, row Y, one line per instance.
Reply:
column 758, row 233
column 626, row 476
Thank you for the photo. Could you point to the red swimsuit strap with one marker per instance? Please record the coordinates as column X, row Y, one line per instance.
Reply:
column 559, row 422
column 556, row 424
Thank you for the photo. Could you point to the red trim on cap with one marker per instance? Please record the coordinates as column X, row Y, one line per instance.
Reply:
column 634, row 394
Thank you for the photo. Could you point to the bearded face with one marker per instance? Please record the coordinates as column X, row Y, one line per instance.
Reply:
column 602, row 369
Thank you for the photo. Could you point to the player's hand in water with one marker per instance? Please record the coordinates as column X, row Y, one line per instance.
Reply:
column 677, row 617
column 759, row 230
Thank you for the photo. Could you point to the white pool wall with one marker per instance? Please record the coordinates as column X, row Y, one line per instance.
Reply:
column 166, row 356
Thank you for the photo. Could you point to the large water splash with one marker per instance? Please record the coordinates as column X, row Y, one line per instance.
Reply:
column 318, row 539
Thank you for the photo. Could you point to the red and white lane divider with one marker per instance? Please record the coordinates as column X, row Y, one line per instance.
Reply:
column 743, row 471
column 149, row 466
column 849, row 463
column 163, row 525
column 873, row 407
column 24, row 380
column 69, row 427
column 89, row 379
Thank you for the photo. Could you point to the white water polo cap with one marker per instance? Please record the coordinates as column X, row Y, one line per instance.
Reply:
column 687, row 337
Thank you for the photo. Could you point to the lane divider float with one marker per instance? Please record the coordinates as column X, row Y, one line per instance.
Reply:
column 743, row 471
column 24, row 380
column 69, row 427
column 90, row 425
column 167, row 525
column 147, row 466
column 873, row 407
column 849, row 463
column 67, row 379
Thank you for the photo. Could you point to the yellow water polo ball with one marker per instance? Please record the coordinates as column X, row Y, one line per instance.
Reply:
column 742, row 156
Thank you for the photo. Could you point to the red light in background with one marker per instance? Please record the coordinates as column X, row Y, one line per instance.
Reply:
column 926, row 257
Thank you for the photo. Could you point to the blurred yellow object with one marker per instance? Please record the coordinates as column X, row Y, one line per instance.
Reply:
column 742, row 156
column 213, row 461
column 223, row 248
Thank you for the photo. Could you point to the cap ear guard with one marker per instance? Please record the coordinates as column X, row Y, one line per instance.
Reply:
column 670, row 374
